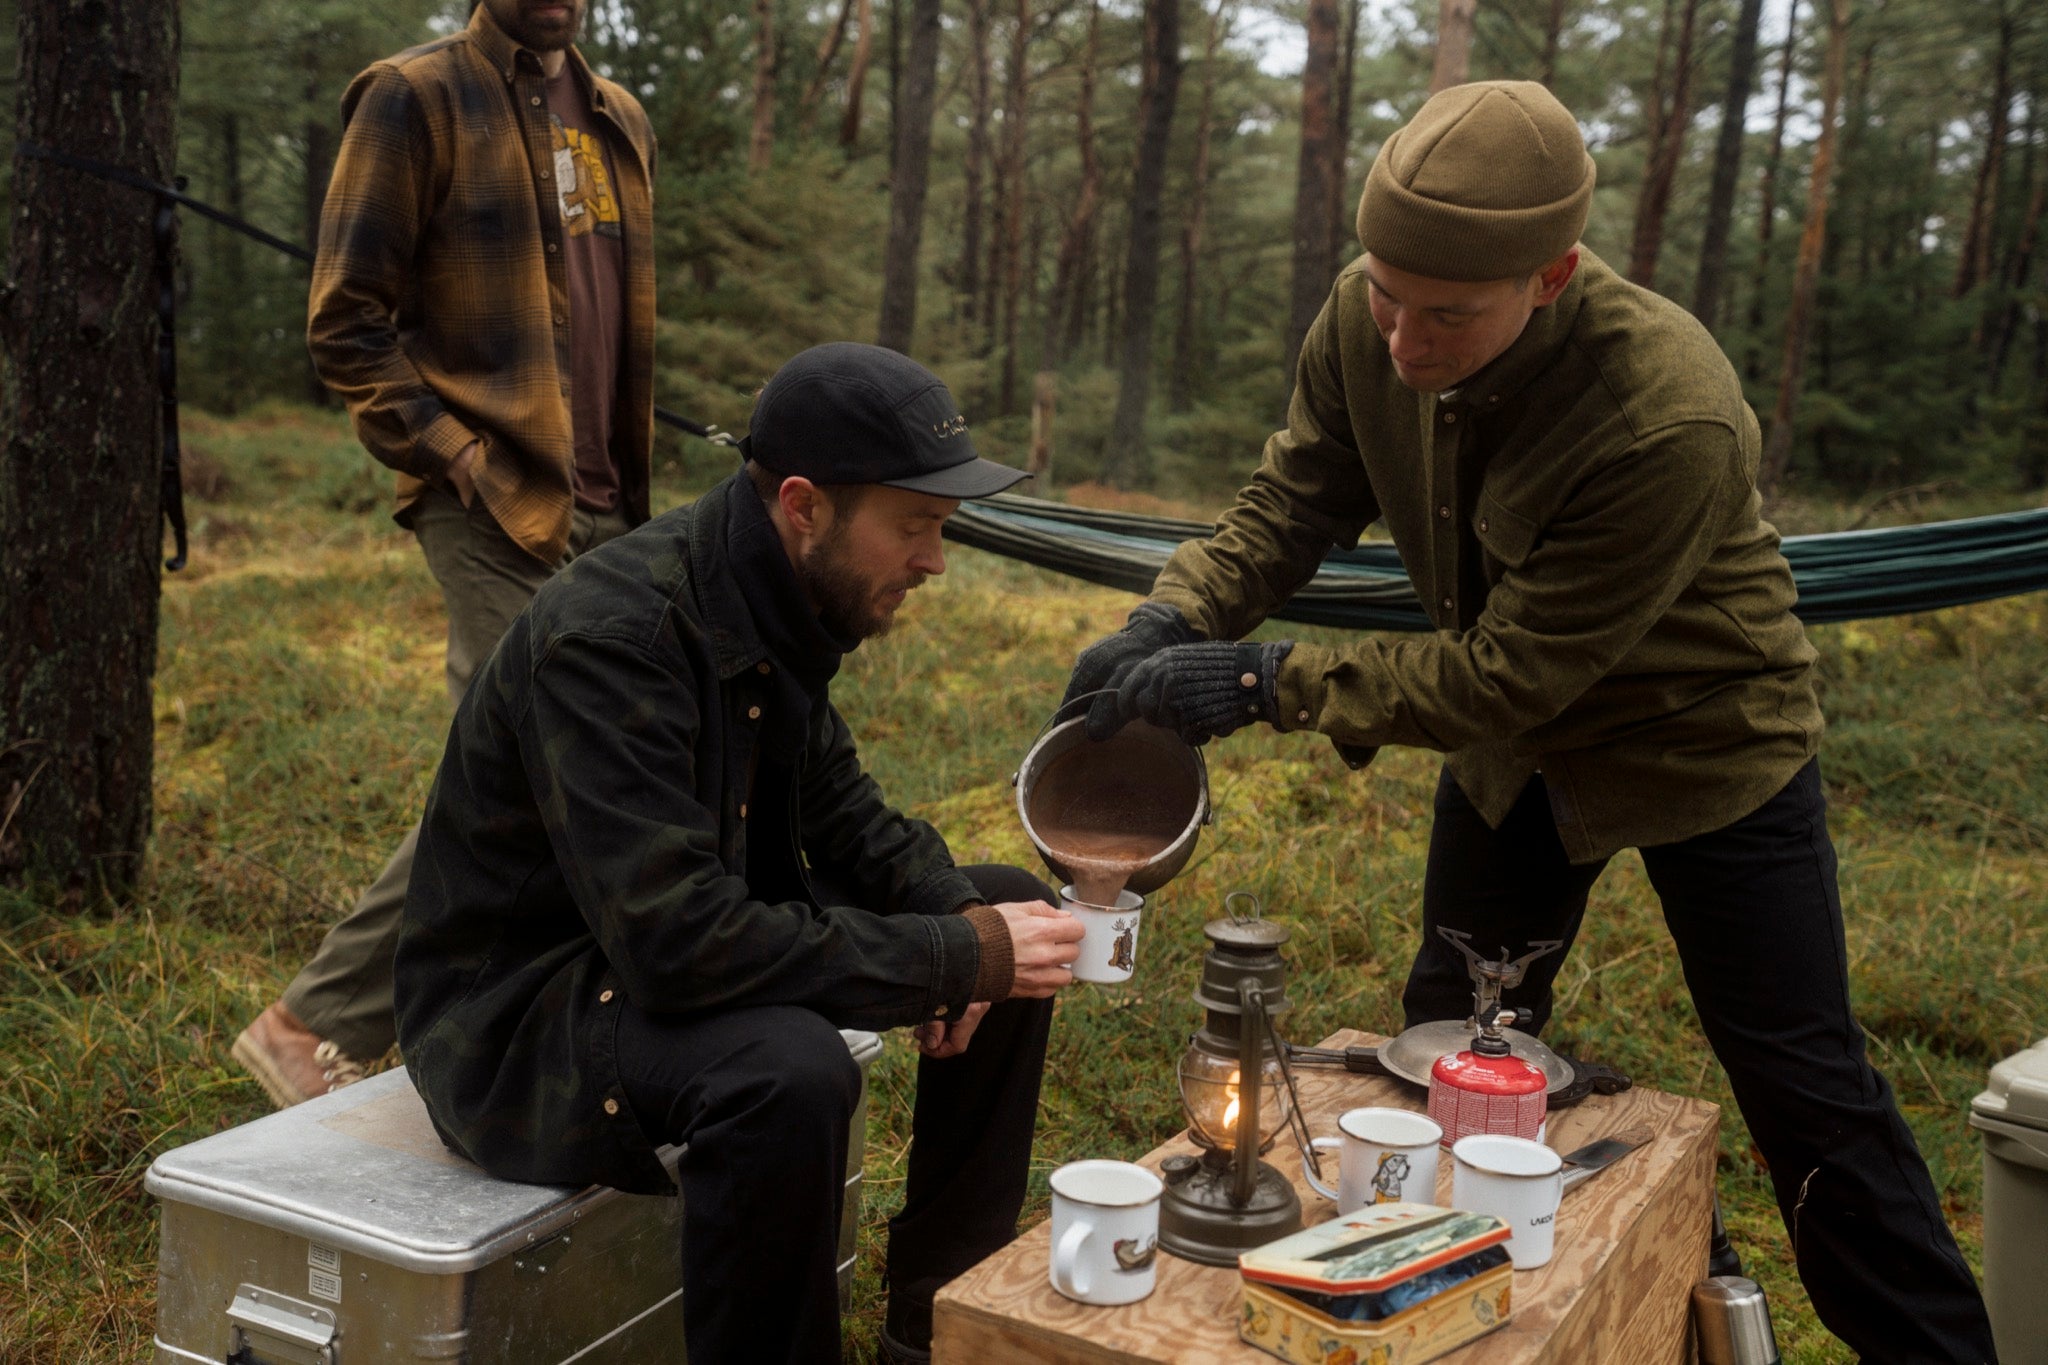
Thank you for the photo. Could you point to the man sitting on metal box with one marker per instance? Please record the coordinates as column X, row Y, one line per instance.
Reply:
column 653, row 881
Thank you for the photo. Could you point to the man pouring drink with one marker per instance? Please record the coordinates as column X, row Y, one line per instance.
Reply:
column 1567, row 467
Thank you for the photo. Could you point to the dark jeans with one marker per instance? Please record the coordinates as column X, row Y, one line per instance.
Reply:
column 1757, row 919
column 763, row 1097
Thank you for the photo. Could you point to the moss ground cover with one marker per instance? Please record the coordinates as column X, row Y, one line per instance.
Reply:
column 299, row 710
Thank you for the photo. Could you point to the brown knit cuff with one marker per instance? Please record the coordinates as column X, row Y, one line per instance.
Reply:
column 998, row 971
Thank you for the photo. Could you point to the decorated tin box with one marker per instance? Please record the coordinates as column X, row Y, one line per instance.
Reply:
column 1392, row 1284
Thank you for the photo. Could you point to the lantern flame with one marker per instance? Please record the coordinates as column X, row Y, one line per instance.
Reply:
column 1230, row 1110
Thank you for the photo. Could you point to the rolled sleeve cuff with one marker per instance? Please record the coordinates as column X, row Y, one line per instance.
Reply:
column 438, row 446
column 1304, row 686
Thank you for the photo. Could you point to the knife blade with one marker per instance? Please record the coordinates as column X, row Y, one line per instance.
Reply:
column 1595, row 1157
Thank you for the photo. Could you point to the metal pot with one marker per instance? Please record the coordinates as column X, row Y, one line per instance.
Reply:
column 1140, row 763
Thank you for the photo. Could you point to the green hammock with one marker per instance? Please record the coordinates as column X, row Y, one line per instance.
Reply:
column 1843, row 576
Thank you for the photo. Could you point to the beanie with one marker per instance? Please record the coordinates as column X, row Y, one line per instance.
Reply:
column 1489, row 181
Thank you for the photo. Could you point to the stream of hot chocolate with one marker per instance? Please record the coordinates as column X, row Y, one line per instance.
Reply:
column 1101, row 861
column 1106, row 812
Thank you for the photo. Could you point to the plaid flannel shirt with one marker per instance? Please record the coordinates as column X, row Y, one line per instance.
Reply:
column 440, row 301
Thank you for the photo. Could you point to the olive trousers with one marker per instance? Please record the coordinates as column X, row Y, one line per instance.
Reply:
column 344, row 993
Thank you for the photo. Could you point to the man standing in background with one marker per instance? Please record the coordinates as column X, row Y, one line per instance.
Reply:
column 483, row 300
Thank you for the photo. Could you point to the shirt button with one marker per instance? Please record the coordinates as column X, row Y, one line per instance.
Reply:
column 543, row 172
column 1250, row 680
column 1444, row 512
column 551, row 248
column 561, row 321
column 1302, row 716
column 1447, row 604
column 753, row 713
column 533, row 99
column 604, row 997
column 743, row 810
column 1482, row 524
column 611, row 1106
column 939, row 1013
column 762, row 667
column 1450, row 417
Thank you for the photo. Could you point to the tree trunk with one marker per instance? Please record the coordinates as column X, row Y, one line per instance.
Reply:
column 828, row 48
column 907, row 186
column 2016, row 278
column 895, row 82
column 1973, row 263
column 1343, row 211
column 319, row 166
column 1128, row 461
column 761, row 146
column 1010, row 245
column 1767, row 192
column 1045, row 393
column 80, row 496
column 857, row 76
column 1180, row 391
column 1455, row 20
column 1706, row 297
column 1668, row 149
column 1313, row 265
column 974, row 191
column 1806, row 283
column 1553, row 40
column 1071, row 269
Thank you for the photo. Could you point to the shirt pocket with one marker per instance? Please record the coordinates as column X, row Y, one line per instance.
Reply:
column 1505, row 536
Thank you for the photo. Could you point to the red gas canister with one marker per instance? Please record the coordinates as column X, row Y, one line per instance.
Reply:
column 1484, row 1091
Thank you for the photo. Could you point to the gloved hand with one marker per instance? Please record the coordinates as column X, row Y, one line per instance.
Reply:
column 1200, row 691
column 1152, row 626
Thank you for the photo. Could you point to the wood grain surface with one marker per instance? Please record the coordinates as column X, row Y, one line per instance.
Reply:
column 1631, row 1242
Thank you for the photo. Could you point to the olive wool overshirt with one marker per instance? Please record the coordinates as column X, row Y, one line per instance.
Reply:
column 1581, row 519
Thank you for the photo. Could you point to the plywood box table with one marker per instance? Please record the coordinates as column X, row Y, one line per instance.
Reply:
column 1631, row 1242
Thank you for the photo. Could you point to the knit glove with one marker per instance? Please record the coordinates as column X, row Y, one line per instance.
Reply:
column 1152, row 626
column 1201, row 691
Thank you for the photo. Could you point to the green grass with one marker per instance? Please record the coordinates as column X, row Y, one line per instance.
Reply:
column 299, row 705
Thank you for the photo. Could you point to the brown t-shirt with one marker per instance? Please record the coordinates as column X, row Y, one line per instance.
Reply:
column 594, row 244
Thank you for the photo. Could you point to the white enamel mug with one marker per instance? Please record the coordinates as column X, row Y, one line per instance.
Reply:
column 1109, row 936
column 1516, row 1180
column 1105, row 1231
column 1385, row 1156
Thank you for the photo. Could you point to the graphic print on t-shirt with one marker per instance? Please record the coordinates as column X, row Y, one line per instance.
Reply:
column 588, row 204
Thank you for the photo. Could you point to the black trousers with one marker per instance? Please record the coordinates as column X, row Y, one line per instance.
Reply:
column 1756, row 916
column 763, row 1097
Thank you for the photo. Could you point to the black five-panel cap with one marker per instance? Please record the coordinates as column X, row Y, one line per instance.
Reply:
column 847, row 413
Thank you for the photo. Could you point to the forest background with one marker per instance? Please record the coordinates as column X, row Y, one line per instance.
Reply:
column 1136, row 283
column 1137, row 244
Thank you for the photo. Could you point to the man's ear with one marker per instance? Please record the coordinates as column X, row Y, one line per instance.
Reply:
column 802, row 504
column 1554, row 277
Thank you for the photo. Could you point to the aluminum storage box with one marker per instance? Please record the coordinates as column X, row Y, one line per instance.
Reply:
column 342, row 1232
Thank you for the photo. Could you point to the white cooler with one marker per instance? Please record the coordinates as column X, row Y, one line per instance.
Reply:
column 2012, row 1114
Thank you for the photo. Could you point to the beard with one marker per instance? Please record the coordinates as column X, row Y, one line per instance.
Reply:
column 523, row 25
column 850, row 602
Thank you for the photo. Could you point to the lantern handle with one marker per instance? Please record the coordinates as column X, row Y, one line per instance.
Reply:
column 1257, row 912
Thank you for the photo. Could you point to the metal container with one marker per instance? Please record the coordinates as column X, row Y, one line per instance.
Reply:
column 1734, row 1322
column 1142, row 767
column 2012, row 1115
column 342, row 1231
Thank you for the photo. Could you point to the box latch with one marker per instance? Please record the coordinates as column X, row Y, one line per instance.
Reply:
column 267, row 1328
